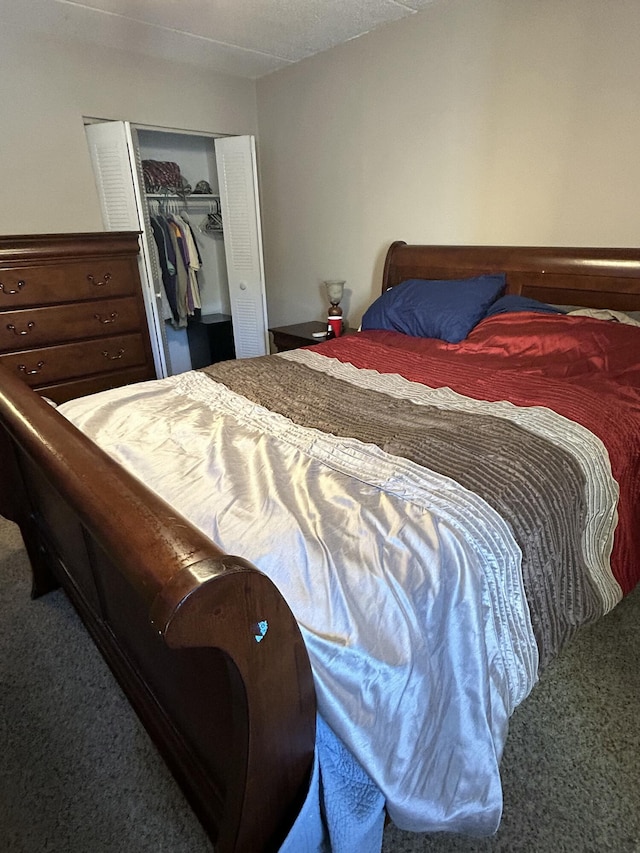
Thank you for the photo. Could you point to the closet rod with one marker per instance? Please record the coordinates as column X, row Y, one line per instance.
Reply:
column 176, row 197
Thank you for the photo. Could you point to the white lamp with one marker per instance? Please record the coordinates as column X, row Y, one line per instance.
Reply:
column 335, row 292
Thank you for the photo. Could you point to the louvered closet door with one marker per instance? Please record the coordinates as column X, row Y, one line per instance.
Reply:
column 237, row 176
column 114, row 156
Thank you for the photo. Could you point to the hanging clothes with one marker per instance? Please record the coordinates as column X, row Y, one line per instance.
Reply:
column 191, row 258
column 180, row 262
column 167, row 271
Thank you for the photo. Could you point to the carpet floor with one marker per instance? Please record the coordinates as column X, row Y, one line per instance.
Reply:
column 80, row 775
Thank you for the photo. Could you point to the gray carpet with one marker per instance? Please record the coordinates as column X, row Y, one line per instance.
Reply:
column 79, row 774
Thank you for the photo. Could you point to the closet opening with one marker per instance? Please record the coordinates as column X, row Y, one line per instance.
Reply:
column 181, row 187
column 194, row 198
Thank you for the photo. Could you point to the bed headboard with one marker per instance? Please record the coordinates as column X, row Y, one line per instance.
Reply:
column 593, row 278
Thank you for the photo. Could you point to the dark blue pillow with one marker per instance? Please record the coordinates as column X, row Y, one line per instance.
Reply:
column 514, row 302
column 446, row 309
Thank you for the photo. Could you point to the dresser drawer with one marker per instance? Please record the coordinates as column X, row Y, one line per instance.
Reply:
column 67, row 361
column 71, row 282
column 34, row 327
column 60, row 392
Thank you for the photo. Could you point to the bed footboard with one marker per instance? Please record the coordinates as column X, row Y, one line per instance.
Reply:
column 203, row 644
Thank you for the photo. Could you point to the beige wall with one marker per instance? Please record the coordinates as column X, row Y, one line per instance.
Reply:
column 493, row 121
column 46, row 87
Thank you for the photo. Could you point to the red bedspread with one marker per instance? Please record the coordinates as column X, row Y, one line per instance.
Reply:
column 587, row 370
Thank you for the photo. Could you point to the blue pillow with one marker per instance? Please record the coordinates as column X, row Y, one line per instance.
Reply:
column 514, row 302
column 446, row 309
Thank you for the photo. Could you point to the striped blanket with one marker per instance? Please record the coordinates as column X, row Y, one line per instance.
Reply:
column 548, row 477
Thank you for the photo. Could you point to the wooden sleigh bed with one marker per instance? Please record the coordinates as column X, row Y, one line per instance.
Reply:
column 204, row 645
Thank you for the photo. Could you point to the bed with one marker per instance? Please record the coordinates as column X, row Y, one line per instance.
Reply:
column 486, row 547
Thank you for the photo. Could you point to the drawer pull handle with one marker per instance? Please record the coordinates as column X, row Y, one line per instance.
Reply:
column 12, row 292
column 119, row 354
column 26, row 331
column 37, row 369
column 97, row 282
column 104, row 320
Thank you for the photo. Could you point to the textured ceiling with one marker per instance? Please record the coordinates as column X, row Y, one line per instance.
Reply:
column 247, row 38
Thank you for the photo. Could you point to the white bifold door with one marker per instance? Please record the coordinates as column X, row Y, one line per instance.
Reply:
column 115, row 156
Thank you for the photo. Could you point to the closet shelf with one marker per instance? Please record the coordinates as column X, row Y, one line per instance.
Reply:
column 176, row 197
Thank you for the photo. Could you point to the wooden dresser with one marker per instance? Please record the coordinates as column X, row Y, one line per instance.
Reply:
column 72, row 316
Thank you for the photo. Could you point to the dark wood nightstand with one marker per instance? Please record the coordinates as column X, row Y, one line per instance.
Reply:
column 300, row 335
column 297, row 335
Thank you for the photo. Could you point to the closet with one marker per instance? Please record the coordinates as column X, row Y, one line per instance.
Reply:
column 217, row 197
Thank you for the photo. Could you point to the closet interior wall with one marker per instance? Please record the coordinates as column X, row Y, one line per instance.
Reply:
column 196, row 157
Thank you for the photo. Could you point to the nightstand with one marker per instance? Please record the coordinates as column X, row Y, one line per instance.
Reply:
column 297, row 335
column 300, row 335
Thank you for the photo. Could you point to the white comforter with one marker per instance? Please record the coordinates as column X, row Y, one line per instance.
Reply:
column 406, row 586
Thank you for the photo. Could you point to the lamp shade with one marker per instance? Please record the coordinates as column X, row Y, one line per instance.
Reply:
column 335, row 290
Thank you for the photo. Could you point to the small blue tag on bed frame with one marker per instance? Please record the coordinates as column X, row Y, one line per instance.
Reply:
column 262, row 627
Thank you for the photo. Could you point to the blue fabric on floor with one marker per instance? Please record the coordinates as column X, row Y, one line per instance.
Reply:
column 344, row 810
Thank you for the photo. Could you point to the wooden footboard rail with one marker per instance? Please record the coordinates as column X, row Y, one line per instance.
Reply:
column 203, row 644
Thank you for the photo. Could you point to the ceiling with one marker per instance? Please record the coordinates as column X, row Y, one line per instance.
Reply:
column 246, row 38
